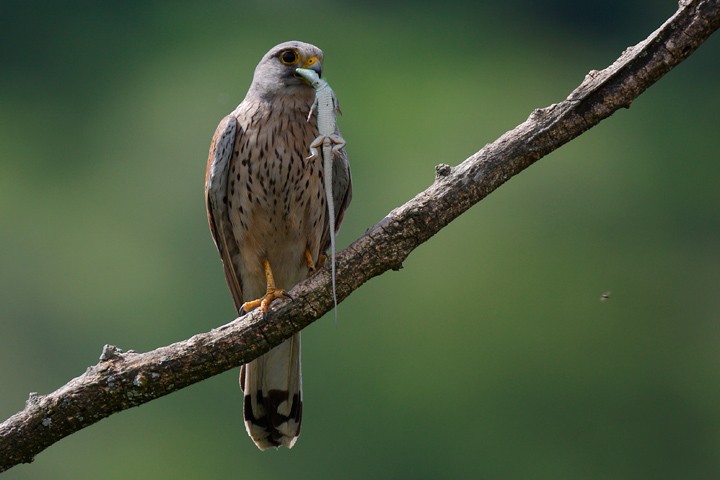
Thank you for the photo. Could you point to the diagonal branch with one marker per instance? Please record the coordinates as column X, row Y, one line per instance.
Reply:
column 124, row 380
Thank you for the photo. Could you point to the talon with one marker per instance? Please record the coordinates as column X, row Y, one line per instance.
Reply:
column 247, row 307
column 312, row 266
column 310, row 262
column 265, row 301
column 272, row 293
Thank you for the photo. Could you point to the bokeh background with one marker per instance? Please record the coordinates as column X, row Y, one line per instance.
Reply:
column 489, row 355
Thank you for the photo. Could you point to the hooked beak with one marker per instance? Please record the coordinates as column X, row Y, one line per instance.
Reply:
column 313, row 63
column 310, row 71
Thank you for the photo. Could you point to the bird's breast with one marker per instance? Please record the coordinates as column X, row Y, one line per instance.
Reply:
column 276, row 198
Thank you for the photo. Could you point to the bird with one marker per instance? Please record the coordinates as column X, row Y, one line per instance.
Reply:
column 265, row 199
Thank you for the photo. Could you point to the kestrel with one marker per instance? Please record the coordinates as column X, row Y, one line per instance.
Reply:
column 268, row 217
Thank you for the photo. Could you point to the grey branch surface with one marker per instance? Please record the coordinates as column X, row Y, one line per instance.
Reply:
column 124, row 380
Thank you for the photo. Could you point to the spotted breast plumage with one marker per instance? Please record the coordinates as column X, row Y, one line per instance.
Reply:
column 269, row 220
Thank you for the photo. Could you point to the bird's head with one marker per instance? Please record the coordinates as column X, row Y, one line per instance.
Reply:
column 276, row 75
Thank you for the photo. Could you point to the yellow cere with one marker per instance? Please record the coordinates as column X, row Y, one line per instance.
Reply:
column 310, row 62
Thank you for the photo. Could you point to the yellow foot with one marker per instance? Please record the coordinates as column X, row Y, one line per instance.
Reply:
column 272, row 293
column 312, row 266
column 265, row 301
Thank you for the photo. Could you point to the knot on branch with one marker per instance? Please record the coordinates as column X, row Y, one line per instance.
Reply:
column 33, row 399
column 442, row 170
column 110, row 352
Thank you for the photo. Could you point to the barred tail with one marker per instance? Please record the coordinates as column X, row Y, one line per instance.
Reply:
column 272, row 385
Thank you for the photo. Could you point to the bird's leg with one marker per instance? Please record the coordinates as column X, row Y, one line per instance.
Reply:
column 310, row 262
column 321, row 261
column 312, row 266
column 271, row 293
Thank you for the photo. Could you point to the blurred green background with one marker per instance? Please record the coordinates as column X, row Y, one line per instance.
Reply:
column 490, row 355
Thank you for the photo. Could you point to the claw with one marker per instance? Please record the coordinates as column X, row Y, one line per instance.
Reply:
column 312, row 266
column 321, row 261
column 310, row 262
column 272, row 293
column 265, row 301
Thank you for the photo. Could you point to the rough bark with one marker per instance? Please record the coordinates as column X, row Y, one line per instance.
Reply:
column 123, row 380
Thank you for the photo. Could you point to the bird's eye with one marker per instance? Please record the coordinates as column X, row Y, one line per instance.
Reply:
column 288, row 57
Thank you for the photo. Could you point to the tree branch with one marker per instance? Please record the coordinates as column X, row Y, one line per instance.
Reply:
column 124, row 380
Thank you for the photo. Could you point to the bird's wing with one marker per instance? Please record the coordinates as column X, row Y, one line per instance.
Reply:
column 216, row 201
